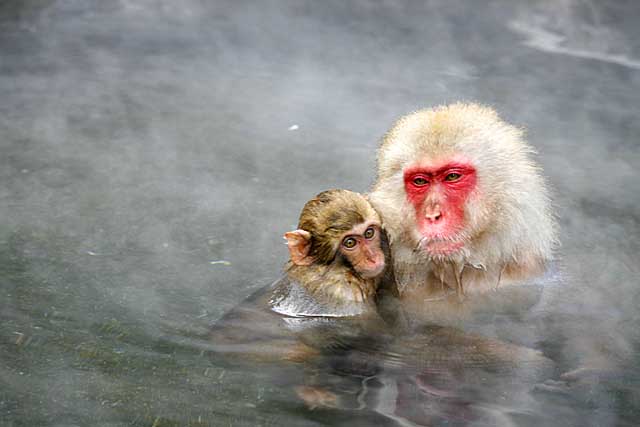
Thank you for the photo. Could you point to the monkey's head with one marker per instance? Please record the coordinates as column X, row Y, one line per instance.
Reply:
column 338, row 226
column 457, row 183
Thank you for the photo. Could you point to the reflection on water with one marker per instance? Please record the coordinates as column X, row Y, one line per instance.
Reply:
column 427, row 375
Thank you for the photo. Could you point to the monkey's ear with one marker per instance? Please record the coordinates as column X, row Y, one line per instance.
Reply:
column 299, row 243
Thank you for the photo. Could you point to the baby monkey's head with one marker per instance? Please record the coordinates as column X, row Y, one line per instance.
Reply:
column 338, row 226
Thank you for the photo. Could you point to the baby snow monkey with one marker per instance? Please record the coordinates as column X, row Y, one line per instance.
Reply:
column 336, row 260
column 336, row 257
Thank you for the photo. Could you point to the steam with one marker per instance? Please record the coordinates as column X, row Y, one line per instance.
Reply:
column 148, row 172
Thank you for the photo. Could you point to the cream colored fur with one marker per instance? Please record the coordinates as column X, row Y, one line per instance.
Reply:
column 509, row 232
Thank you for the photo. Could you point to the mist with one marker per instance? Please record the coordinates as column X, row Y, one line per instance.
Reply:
column 153, row 153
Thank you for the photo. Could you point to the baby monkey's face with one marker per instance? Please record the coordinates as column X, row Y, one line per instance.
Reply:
column 362, row 248
column 339, row 228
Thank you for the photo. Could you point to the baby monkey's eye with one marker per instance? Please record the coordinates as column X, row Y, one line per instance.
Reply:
column 349, row 242
column 452, row 177
column 369, row 233
column 420, row 181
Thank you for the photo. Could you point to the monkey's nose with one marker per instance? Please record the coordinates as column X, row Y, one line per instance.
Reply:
column 432, row 213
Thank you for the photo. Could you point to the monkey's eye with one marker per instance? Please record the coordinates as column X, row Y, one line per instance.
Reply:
column 420, row 181
column 452, row 177
column 369, row 233
column 349, row 242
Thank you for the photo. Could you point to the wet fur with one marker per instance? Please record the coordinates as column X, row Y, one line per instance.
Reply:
column 333, row 282
column 327, row 217
column 510, row 231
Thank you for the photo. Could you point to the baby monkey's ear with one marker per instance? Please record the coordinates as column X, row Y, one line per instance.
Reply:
column 299, row 243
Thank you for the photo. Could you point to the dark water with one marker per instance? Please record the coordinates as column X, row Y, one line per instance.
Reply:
column 152, row 153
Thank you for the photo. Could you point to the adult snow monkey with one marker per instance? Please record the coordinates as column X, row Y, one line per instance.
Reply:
column 463, row 203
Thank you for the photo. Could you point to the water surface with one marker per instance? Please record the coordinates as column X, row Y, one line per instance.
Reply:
column 152, row 153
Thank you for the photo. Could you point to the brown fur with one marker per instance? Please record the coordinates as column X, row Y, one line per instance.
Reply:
column 338, row 283
column 327, row 217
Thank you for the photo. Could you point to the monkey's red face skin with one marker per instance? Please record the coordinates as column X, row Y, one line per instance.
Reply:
column 438, row 194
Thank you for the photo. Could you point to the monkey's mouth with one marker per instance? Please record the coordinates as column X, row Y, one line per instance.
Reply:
column 373, row 271
column 439, row 247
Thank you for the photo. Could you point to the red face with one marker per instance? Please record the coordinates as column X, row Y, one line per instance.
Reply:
column 438, row 194
column 362, row 247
